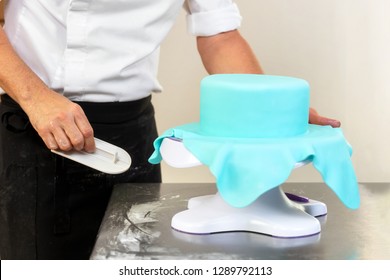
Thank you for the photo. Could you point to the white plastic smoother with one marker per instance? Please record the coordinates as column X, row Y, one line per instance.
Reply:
column 107, row 158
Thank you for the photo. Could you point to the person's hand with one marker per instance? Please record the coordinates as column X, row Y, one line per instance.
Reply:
column 315, row 118
column 61, row 123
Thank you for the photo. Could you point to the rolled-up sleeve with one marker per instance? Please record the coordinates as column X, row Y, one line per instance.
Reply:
column 210, row 17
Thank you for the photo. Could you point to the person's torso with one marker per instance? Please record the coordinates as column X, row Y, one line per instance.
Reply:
column 92, row 50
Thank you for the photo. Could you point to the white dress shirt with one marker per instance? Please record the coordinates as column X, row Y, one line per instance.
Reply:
column 105, row 50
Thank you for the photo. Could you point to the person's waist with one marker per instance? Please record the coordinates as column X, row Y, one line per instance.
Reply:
column 113, row 112
column 101, row 112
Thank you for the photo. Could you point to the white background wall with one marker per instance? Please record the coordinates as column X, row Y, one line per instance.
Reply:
column 341, row 47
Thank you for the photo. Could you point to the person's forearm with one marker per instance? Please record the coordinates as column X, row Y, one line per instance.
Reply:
column 60, row 123
column 16, row 78
column 227, row 53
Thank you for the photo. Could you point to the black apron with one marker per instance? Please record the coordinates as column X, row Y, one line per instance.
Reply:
column 52, row 207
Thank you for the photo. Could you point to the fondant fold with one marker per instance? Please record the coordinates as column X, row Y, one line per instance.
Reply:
column 246, row 168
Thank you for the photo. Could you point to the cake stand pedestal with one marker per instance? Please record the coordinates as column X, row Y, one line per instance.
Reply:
column 274, row 213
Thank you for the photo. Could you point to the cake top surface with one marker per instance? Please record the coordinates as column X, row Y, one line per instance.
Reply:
column 255, row 81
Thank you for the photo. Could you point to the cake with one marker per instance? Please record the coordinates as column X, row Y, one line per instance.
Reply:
column 254, row 106
column 254, row 129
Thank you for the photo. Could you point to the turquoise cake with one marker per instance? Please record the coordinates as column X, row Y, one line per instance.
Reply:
column 253, row 129
column 253, row 106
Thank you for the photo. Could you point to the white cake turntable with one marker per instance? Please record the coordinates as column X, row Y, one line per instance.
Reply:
column 274, row 213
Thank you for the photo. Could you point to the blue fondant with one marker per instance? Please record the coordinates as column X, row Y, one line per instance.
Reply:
column 253, row 106
column 246, row 168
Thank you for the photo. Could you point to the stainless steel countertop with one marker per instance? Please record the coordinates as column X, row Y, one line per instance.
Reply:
column 138, row 218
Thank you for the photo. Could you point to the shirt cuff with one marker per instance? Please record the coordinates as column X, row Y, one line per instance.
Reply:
column 215, row 21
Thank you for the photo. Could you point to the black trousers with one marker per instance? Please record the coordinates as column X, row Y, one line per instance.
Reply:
column 52, row 207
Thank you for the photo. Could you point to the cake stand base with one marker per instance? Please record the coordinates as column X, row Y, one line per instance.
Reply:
column 273, row 213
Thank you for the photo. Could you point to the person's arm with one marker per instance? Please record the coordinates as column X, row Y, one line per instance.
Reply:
column 60, row 123
column 229, row 52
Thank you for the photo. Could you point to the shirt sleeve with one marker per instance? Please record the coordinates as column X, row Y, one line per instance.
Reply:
column 210, row 17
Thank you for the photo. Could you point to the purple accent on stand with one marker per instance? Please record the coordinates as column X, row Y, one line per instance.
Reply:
column 297, row 198
column 175, row 139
